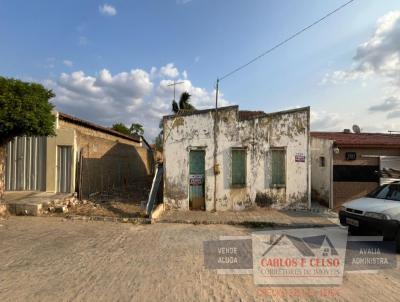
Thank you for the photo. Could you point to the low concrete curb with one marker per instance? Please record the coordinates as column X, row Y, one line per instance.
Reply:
column 24, row 209
column 136, row 220
column 250, row 224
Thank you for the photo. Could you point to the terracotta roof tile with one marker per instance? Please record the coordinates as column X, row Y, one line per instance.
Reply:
column 360, row 139
column 78, row 121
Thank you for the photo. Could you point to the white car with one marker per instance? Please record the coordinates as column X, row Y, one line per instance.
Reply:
column 376, row 213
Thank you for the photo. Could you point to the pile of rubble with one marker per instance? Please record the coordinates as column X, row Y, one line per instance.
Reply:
column 3, row 210
column 62, row 205
column 127, row 202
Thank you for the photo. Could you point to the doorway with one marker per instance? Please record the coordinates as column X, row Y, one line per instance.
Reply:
column 197, row 180
column 64, row 160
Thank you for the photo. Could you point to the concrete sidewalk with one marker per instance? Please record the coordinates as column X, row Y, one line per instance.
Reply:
column 258, row 217
column 30, row 202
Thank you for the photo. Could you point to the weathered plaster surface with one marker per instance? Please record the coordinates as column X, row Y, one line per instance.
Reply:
column 287, row 129
column 321, row 185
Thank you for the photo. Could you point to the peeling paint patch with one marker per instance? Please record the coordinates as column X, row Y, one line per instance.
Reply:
column 264, row 200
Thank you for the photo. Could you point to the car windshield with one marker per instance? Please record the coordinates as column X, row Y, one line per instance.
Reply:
column 390, row 192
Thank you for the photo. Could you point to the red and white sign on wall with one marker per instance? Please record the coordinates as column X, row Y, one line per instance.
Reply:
column 300, row 158
column 196, row 179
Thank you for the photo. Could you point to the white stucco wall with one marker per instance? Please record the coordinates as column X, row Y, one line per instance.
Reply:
column 287, row 129
column 321, row 184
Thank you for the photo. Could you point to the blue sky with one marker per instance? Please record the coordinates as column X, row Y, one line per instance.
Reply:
column 110, row 61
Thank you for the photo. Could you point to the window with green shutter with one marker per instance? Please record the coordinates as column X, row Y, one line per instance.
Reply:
column 278, row 167
column 238, row 167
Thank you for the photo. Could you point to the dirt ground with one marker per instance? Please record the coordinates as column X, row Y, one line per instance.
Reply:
column 112, row 208
column 54, row 259
column 127, row 202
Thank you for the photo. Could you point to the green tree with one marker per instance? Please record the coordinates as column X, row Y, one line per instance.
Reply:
column 24, row 110
column 184, row 103
column 121, row 128
column 136, row 129
column 159, row 141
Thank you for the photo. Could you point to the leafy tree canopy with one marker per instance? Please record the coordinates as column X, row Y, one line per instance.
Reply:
column 121, row 128
column 134, row 129
column 160, row 137
column 24, row 110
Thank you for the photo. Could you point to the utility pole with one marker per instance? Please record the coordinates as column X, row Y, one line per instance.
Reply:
column 174, row 84
column 216, row 168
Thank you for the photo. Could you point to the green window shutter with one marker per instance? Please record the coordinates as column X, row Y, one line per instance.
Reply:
column 238, row 167
column 278, row 167
column 196, row 162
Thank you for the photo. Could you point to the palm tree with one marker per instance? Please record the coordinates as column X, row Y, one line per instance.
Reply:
column 184, row 103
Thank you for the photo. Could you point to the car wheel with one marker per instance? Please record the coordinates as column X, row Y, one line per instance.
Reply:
column 354, row 231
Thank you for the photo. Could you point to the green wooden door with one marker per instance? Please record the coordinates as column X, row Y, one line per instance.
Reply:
column 196, row 180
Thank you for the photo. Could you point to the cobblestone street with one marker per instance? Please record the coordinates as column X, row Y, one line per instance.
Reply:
column 52, row 259
column 255, row 217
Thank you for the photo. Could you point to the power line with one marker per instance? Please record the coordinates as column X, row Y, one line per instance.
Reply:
column 286, row 40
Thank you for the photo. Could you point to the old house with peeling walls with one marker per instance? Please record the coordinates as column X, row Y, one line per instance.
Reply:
column 232, row 160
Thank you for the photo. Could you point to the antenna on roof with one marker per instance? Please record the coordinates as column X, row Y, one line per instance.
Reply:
column 356, row 129
column 174, row 84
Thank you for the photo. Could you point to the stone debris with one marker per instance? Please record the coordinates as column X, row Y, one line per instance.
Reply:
column 3, row 210
column 51, row 209
column 61, row 205
column 61, row 209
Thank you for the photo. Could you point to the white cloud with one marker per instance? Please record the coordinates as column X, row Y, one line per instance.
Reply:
column 107, row 10
column 387, row 105
column 325, row 121
column 394, row 114
column 378, row 58
column 127, row 97
column 68, row 63
column 169, row 71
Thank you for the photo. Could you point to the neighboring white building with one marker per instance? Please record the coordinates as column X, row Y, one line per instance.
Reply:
column 248, row 158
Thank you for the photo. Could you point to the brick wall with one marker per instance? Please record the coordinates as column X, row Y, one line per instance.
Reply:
column 346, row 191
column 109, row 162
